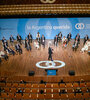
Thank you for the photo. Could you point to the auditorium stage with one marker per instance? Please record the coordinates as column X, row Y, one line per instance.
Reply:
column 20, row 65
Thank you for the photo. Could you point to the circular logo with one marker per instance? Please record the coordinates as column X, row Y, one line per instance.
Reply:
column 50, row 64
column 79, row 26
column 47, row 1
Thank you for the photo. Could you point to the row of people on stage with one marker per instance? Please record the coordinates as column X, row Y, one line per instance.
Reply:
column 65, row 40
column 28, row 41
column 9, row 51
column 41, row 40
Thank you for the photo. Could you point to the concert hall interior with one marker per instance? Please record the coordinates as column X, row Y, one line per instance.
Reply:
column 44, row 50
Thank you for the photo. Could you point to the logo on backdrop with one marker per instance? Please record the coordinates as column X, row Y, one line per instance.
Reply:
column 50, row 64
column 79, row 26
column 47, row 1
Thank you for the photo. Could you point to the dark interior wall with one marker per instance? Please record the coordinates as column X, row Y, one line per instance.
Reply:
column 45, row 16
column 14, row 2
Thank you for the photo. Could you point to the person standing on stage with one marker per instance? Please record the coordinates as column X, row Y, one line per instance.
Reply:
column 77, row 38
column 19, row 39
column 69, row 36
column 38, row 37
column 86, row 38
column 4, row 41
column 60, row 36
column 11, row 40
column 43, row 40
column 50, row 52
column 56, row 40
column 29, row 38
column 75, row 45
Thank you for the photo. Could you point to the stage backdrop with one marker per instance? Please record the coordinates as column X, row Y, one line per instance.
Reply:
column 46, row 26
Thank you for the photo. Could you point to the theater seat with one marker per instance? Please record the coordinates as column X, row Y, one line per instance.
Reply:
column 55, row 85
column 15, row 85
column 56, row 90
column 86, row 96
column 4, row 95
column 34, row 96
column 6, row 89
column 18, row 96
column 14, row 90
column 41, row 85
column 62, row 85
column 34, row 90
column 35, row 86
column 75, row 85
column 84, row 89
column 63, row 96
column 82, row 85
column 8, row 84
column 56, row 96
column 69, row 90
column 26, row 96
column 88, row 84
column 2, row 84
column 78, row 96
column 21, row 85
column 48, row 90
column 11, row 95
column 48, row 85
column 41, row 96
column 28, row 85
column 27, row 90
column 48, row 96
column 69, row 85
column 71, row 96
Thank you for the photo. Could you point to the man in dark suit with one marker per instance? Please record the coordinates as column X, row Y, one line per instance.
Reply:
column 59, row 36
column 43, row 40
column 38, row 38
column 77, row 38
column 5, row 46
column 69, row 36
column 4, row 41
column 11, row 39
column 19, row 39
column 56, row 40
column 86, row 38
column 75, row 45
column 10, row 51
column 29, row 37
column 27, row 44
column 50, row 52
column 18, row 48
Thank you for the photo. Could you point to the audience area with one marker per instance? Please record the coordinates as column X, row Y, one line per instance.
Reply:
column 78, row 89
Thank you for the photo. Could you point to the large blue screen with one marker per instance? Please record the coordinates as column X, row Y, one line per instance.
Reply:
column 47, row 26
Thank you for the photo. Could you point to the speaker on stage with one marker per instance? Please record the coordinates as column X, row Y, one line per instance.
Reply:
column 31, row 73
column 71, row 72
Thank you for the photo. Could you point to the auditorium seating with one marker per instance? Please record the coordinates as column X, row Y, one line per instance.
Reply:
column 50, row 90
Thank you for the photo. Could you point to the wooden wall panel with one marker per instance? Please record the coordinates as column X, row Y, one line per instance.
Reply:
column 15, row 2
column 45, row 9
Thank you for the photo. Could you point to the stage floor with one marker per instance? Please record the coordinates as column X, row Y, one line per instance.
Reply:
column 20, row 65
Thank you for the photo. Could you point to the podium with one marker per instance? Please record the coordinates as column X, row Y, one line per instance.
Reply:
column 51, row 71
